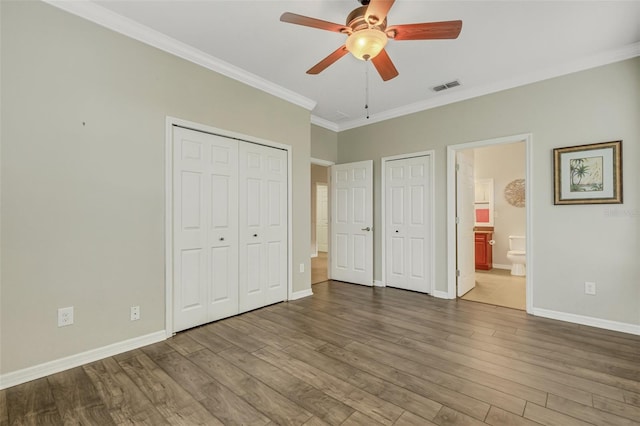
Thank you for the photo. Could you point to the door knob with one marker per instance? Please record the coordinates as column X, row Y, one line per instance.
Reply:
column 366, row 229
column 397, row 231
column 221, row 238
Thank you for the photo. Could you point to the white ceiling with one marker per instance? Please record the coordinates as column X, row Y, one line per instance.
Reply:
column 502, row 44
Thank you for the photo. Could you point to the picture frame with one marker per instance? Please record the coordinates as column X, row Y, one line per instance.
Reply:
column 588, row 174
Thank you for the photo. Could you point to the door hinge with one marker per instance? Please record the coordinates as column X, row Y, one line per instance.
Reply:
column 457, row 167
column 457, row 272
column 457, row 220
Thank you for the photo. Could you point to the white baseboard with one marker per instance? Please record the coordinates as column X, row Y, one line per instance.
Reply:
column 499, row 266
column 590, row 321
column 300, row 294
column 378, row 283
column 441, row 294
column 41, row 370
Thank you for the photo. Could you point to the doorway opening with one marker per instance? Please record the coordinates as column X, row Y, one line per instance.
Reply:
column 489, row 227
column 319, row 221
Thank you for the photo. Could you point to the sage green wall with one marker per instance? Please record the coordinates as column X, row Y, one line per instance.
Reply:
column 324, row 144
column 83, row 146
column 572, row 244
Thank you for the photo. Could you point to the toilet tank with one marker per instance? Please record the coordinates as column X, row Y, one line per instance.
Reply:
column 517, row 242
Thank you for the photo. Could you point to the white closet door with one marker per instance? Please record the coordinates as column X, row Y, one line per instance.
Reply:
column 205, row 243
column 263, row 226
column 407, row 210
column 352, row 222
column 223, row 229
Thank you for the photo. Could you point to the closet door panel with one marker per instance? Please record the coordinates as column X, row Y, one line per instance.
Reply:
column 263, row 226
column 223, row 228
column 205, row 228
column 276, row 222
column 190, row 272
column 251, row 229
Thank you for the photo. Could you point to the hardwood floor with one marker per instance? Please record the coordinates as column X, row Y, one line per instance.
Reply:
column 353, row 355
column 319, row 264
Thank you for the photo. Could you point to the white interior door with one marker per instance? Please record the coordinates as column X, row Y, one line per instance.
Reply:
column 352, row 222
column 407, row 217
column 263, row 226
column 465, row 213
column 322, row 217
column 205, row 235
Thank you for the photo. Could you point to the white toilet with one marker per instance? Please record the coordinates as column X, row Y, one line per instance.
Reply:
column 516, row 255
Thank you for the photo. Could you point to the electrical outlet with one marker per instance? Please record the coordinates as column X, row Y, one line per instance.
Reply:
column 589, row 288
column 65, row 316
column 302, row 267
column 135, row 313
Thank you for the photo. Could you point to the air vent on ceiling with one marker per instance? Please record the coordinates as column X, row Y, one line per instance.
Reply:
column 445, row 86
column 340, row 116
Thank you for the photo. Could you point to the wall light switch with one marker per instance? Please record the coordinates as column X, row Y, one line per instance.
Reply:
column 135, row 313
column 302, row 267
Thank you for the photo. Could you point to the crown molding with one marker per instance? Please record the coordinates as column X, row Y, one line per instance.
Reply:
column 592, row 61
column 104, row 17
column 330, row 125
column 108, row 19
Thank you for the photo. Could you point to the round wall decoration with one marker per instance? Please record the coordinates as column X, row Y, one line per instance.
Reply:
column 514, row 193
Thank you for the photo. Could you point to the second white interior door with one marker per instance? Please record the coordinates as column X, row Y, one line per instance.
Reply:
column 352, row 222
column 407, row 223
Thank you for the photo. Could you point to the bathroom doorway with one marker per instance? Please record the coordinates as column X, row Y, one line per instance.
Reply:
column 319, row 221
column 488, row 214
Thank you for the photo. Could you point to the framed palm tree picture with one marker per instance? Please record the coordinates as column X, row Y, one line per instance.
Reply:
column 588, row 174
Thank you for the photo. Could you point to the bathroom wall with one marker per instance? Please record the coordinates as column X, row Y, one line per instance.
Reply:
column 503, row 163
column 318, row 175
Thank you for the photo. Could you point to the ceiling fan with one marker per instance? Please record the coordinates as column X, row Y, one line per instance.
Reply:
column 367, row 31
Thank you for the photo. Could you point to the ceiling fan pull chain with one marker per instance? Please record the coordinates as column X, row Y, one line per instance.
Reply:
column 366, row 88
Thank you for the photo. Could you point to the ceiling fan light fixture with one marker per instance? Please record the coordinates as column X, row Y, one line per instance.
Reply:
column 366, row 44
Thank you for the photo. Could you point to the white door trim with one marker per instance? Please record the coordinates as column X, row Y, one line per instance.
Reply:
column 327, row 193
column 432, row 224
column 527, row 138
column 168, row 209
column 327, row 163
column 319, row 162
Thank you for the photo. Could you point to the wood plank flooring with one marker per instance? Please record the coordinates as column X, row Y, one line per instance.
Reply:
column 353, row 355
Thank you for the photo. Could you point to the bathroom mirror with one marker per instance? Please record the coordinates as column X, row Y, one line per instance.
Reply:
column 484, row 202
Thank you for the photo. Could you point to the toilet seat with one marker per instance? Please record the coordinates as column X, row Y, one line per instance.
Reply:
column 515, row 252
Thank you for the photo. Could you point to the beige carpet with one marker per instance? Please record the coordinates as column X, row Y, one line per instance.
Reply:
column 498, row 287
column 319, row 268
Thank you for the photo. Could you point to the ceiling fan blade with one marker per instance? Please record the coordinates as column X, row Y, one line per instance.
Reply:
column 323, row 64
column 306, row 21
column 426, row 31
column 377, row 10
column 385, row 67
